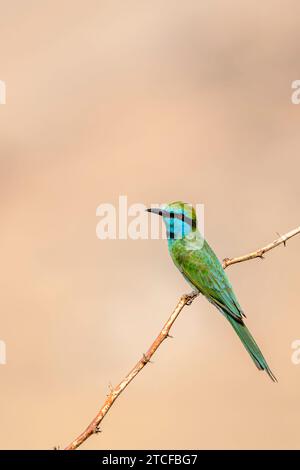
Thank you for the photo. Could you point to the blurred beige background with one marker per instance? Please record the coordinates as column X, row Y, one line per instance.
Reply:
column 159, row 101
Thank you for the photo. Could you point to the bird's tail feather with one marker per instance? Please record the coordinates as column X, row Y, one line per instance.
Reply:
column 251, row 346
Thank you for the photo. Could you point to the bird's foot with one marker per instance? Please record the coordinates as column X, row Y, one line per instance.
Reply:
column 189, row 298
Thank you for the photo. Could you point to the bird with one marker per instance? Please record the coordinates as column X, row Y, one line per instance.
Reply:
column 202, row 269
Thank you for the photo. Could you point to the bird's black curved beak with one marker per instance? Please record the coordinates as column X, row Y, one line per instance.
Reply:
column 154, row 210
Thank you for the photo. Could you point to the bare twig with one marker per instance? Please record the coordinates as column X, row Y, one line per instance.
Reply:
column 260, row 252
column 93, row 427
column 186, row 299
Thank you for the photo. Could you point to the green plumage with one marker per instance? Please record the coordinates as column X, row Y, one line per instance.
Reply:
column 201, row 268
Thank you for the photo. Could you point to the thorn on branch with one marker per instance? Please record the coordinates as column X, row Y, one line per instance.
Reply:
column 169, row 336
column 146, row 359
column 283, row 239
column 97, row 429
column 111, row 390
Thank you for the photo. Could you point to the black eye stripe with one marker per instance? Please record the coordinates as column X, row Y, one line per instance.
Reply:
column 182, row 217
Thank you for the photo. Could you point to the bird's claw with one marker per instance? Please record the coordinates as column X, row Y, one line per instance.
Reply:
column 190, row 297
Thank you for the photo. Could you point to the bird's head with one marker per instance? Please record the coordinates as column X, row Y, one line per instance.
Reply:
column 179, row 218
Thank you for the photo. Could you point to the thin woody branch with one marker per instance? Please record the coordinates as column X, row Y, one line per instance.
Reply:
column 187, row 299
column 93, row 427
column 261, row 251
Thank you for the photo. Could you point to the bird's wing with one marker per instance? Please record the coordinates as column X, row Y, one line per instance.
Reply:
column 203, row 269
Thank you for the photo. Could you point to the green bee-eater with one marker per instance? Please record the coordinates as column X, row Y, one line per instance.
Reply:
column 201, row 268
